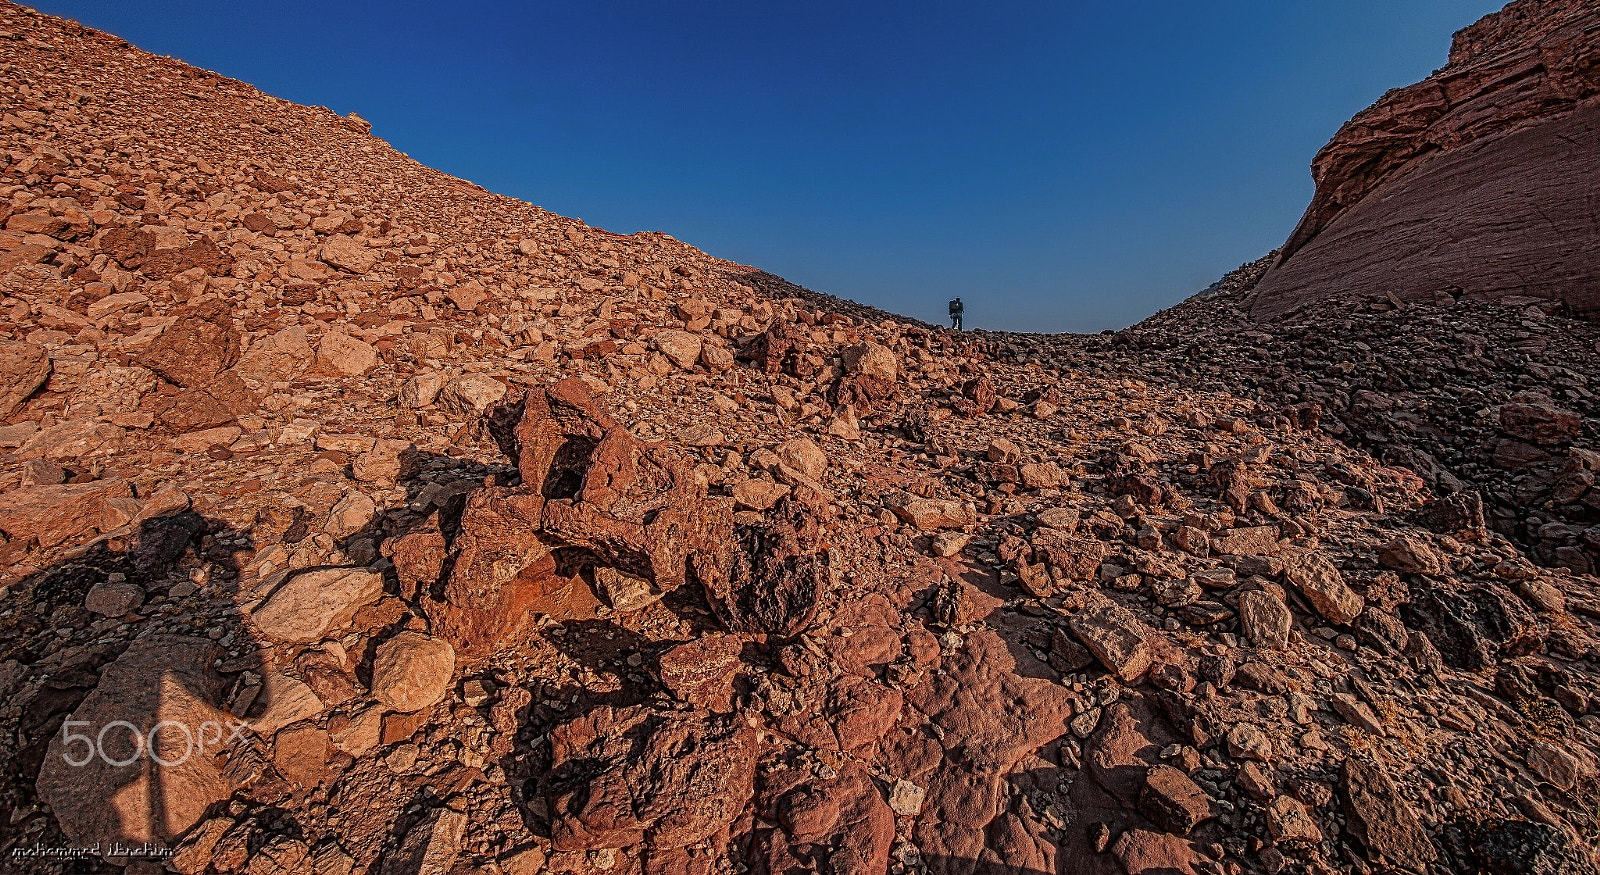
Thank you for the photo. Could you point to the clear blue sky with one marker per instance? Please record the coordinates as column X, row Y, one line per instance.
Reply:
column 1062, row 166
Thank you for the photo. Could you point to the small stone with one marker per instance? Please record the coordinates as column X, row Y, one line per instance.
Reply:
column 805, row 456
column 421, row 390
column 346, row 253
column 1248, row 742
column 625, row 593
column 1003, row 451
column 1323, row 586
column 477, row 692
column 1357, row 713
column 113, row 599
column 387, row 462
column 308, row 605
column 758, row 494
column 906, row 798
column 928, row 514
column 680, row 347
column 1116, row 637
column 872, row 360
column 471, row 394
column 1265, row 619
column 947, row 544
column 339, row 353
column 1289, row 821
column 350, row 515
column 1560, row 768
column 1172, row 801
column 1377, row 815
column 701, row 672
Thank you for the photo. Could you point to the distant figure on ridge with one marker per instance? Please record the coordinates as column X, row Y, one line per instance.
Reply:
column 955, row 314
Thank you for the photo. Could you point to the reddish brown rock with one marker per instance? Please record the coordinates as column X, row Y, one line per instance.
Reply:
column 58, row 514
column 202, row 253
column 620, row 777
column 1378, row 816
column 1540, row 423
column 1172, row 801
column 772, row 585
column 197, row 348
column 1470, row 184
column 701, row 672
column 843, row 820
column 418, row 557
column 24, row 367
column 843, row 713
column 159, row 680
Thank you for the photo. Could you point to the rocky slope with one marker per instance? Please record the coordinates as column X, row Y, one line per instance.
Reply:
column 1472, row 184
column 416, row 529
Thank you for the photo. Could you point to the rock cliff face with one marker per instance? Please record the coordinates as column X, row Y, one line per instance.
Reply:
column 1476, row 183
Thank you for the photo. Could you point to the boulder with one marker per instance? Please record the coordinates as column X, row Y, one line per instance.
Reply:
column 1380, row 818
column 412, row 671
column 341, row 354
column 1116, row 637
column 24, row 367
column 623, row 776
column 1466, row 185
column 309, row 604
column 1323, row 586
column 471, row 394
column 681, row 347
column 348, row 254
column 196, row 349
column 1172, row 801
column 873, row 360
column 57, row 514
column 165, row 688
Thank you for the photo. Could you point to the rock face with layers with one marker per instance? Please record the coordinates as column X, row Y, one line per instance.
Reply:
column 1472, row 184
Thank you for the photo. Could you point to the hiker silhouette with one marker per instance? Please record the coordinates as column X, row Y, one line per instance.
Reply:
column 956, row 310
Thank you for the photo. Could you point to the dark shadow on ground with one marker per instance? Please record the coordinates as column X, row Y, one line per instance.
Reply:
column 54, row 651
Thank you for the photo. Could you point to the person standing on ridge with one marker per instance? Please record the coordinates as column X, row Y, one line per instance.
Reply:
column 955, row 314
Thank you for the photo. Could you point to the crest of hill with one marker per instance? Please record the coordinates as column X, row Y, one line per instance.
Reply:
column 96, row 108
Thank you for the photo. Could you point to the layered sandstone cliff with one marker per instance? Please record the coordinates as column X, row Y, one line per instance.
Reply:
column 1476, row 183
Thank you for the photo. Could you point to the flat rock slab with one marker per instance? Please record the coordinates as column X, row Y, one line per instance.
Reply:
column 311, row 603
column 57, row 514
column 161, row 683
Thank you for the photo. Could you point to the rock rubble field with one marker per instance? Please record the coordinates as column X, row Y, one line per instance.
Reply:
column 354, row 519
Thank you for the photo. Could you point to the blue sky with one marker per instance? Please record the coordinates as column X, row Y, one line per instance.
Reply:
column 1066, row 166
